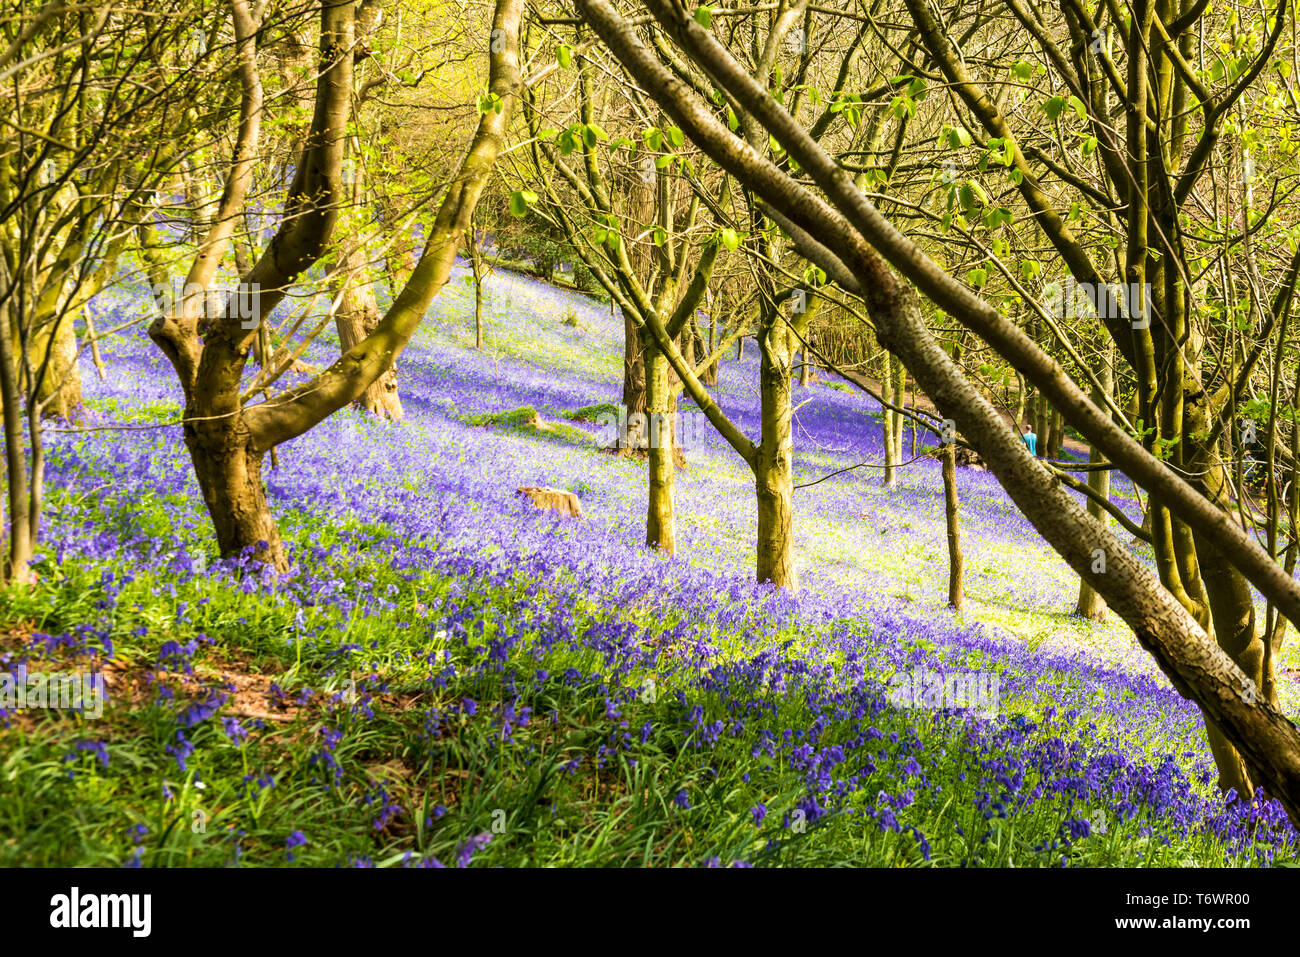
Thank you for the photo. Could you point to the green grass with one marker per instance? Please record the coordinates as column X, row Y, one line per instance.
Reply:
column 590, row 413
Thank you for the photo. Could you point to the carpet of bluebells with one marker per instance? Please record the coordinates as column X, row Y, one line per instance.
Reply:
column 450, row 677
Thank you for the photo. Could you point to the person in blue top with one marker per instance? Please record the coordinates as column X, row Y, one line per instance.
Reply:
column 1031, row 441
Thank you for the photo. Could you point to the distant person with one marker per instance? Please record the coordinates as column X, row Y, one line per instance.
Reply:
column 1031, row 441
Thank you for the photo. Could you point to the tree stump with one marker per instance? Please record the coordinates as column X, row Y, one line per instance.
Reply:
column 552, row 498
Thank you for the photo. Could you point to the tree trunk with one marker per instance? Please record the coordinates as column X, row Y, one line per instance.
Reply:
column 1090, row 604
column 888, row 479
column 634, row 385
column 900, row 400
column 478, row 312
column 1042, row 416
column 661, row 408
column 230, row 476
column 474, row 252
column 21, row 545
column 358, row 315
column 93, row 337
column 60, row 388
column 709, row 376
column 1232, row 608
column 1058, row 434
column 953, row 520
column 774, row 484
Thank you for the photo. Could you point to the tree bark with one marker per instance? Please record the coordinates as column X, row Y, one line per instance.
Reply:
column 709, row 376
column 956, row 590
column 357, row 316
column 21, row 545
column 59, row 389
column 661, row 411
column 229, row 471
column 634, row 384
column 1090, row 604
column 774, row 483
column 887, row 417
column 900, row 400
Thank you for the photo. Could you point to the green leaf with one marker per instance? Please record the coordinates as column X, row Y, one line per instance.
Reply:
column 653, row 138
column 704, row 16
column 730, row 239
column 565, row 56
column 977, row 277
column 997, row 217
column 1080, row 110
column 675, row 136
column 520, row 200
column 1054, row 107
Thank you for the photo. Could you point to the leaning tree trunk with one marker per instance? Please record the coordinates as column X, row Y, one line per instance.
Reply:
column 774, row 483
column 956, row 590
